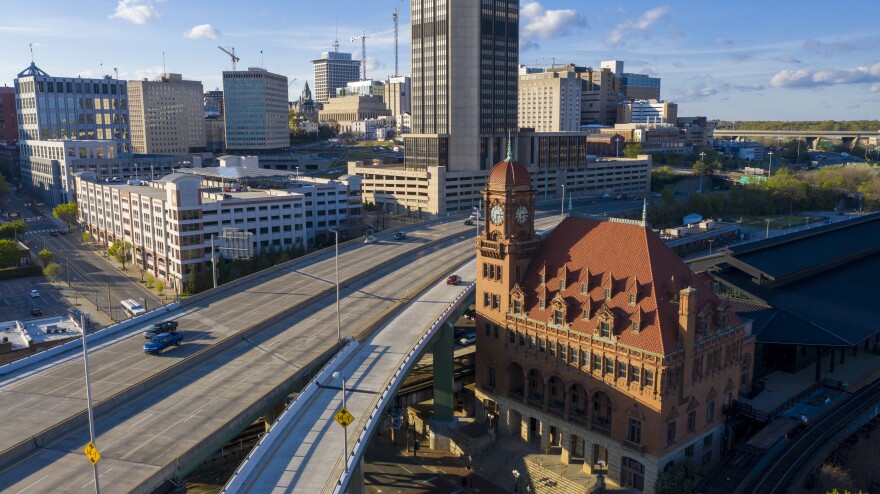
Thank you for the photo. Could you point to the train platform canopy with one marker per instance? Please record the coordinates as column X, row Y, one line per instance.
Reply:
column 813, row 288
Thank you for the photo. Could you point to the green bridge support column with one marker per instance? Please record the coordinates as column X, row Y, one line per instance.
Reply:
column 443, row 420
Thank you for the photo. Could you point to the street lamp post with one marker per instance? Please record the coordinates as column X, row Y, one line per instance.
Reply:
column 151, row 173
column 515, row 480
column 82, row 325
column 767, row 235
column 337, row 375
column 770, row 168
column 702, row 165
column 562, row 209
column 710, row 245
column 338, row 320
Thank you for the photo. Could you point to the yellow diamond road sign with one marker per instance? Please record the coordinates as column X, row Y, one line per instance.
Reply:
column 343, row 417
column 92, row 453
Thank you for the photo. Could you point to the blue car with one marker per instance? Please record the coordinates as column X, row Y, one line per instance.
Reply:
column 163, row 341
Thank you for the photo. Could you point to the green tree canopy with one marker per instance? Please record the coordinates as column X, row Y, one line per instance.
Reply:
column 680, row 478
column 4, row 187
column 68, row 213
column 46, row 257
column 8, row 254
column 52, row 271
column 13, row 229
column 120, row 251
column 633, row 150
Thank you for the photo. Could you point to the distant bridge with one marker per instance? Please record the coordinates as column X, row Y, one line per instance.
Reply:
column 811, row 137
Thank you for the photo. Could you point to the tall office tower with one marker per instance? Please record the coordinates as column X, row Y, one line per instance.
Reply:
column 72, row 108
column 464, row 84
column 8, row 119
column 550, row 101
column 398, row 94
column 334, row 70
column 167, row 115
column 255, row 111
column 599, row 96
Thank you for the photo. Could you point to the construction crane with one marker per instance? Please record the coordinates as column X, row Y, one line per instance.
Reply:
column 363, row 39
column 231, row 53
column 291, row 83
column 394, row 17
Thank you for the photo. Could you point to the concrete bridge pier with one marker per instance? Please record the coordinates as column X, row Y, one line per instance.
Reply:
column 443, row 420
column 272, row 414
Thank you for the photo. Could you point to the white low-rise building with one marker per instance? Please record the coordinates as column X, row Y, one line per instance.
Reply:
column 170, row 222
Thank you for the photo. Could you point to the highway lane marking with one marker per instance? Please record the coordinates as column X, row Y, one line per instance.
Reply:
column 33, row 484
column 148, row 416
column 99, row 476
column 192, row 415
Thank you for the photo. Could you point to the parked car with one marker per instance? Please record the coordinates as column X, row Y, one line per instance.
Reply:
column 370, row 240
column 163, row 341
column 467, row 339
column 54, row 233
column 161, row 327
column 400, row 236
column 469, row 222
column 36, row 312
column 35, row 294
column 453, row 280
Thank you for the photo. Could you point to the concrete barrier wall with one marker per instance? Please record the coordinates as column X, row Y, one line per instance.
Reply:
column 93, row 338
column 302, row 400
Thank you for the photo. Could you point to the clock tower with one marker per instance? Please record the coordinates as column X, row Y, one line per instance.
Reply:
column 508, row 241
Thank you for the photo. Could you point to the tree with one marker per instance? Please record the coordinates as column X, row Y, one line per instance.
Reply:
column 160, row 287
column 8, row 254
column 46, row 257
column 704, row 167
column 52, row 271
column 87, row 237
column 633, row 150
column 192, row 282
column 13, row 229
column 149, row 280
column 680, row 478
column 120, row 251
column 68, row 213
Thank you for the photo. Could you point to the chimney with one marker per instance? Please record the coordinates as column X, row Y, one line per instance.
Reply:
column 687, row 322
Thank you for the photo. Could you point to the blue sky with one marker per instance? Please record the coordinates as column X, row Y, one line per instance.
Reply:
column 770, row 60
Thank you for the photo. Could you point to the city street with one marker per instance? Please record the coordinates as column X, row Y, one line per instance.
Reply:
column 84, row 271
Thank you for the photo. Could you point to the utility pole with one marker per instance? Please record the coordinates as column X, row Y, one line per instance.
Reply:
column 702, row 165
column 213, row 263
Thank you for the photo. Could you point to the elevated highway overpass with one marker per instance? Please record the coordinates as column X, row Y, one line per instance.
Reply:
column 248, row 345
column 811, row 137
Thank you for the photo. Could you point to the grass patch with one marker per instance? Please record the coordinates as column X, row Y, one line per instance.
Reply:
column 780, row 221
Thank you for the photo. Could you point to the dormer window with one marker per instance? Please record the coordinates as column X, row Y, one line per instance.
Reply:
column 607, row 294
column 632, row 299
column 562, row 283
column 636, row 327
column 605, row 329
column 541, row 278
column 517, row 307
column 542, row 304
column 583, row 288
column 558, row 318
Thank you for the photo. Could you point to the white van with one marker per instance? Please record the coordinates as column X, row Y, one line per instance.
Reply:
column 133, row 308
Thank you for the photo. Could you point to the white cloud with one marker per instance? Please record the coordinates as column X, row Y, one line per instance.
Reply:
column 706, row 86
column 723, row 42
column 202, row 31
column 875, row 88
column 148, row 73
column 826, row 77
column 373, row 65
column 788, row 58
column 540, row 23
column 639, row 26
column 136, row 11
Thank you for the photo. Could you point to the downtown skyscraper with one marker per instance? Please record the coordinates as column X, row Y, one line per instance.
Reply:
column 464, row 83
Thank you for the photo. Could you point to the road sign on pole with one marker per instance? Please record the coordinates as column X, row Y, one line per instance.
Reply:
column 92, row 453
column 344, row 418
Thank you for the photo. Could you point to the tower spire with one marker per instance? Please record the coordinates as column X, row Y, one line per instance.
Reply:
column 645, row 212
column 509, row 148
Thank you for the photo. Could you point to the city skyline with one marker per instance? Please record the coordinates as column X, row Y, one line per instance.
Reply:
column 757, row 62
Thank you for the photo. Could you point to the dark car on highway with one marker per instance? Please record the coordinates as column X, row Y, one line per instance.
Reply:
column 162, row 341
column 159, row 328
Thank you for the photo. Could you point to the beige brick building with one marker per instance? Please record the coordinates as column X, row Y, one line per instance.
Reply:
column 167, row 115
column 550, row 101
column 344, row 110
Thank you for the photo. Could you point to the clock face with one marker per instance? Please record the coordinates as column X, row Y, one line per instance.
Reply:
column 522, row 214
column 496, row 214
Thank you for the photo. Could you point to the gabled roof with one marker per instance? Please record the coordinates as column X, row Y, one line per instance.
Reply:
column 627, row 251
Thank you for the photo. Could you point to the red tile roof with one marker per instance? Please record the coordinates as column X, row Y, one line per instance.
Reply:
column 625, row 258
column 509, row 173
